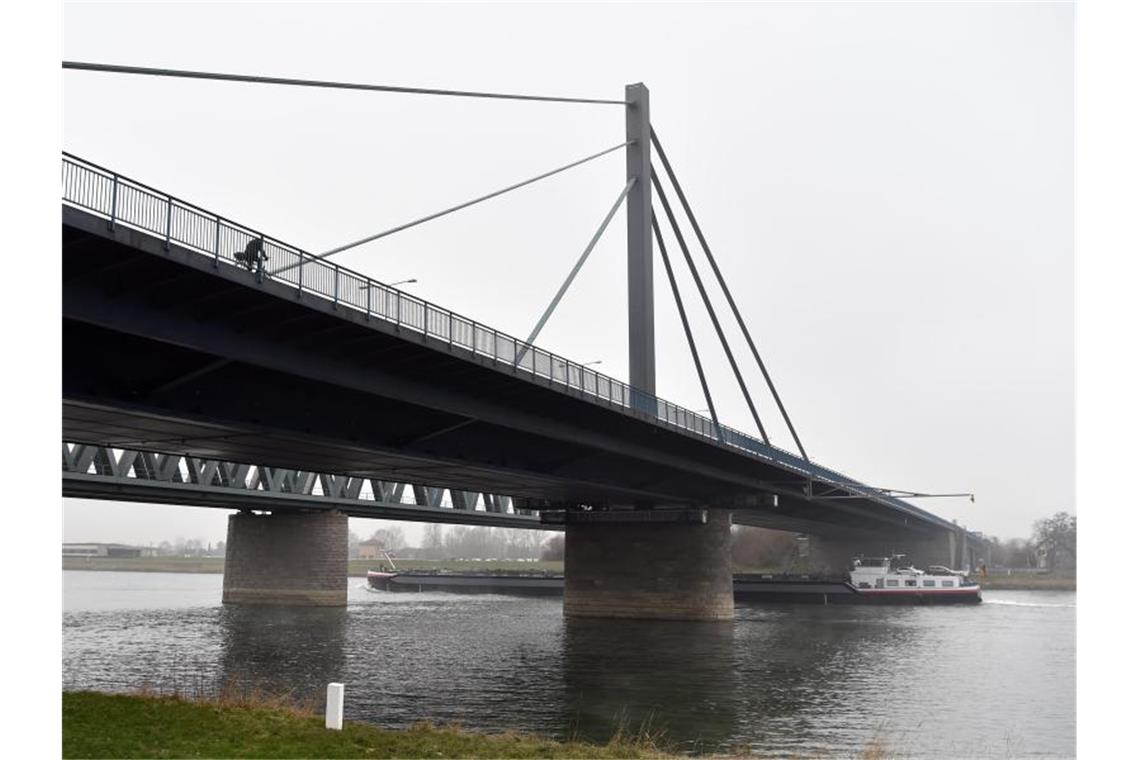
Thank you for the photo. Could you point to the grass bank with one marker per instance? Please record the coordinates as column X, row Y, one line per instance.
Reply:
column 1030, row 582
column 147, row 564
column 132, row 726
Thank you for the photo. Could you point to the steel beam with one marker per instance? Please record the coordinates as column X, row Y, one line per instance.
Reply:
column 101, row 472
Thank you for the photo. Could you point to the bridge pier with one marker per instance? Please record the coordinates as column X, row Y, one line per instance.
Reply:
column 944, row 547
column 651, row 565
column 287, row 558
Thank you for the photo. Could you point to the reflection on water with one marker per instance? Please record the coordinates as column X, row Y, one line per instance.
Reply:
column 995, row 680
column 673, row 677
column 829, row 674
column 283, row 649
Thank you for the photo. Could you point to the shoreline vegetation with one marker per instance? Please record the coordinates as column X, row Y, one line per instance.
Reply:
column 357, row 568
column 1015, row 581
column 234, row 725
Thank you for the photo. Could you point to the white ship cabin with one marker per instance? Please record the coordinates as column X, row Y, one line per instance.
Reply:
column 889, row 573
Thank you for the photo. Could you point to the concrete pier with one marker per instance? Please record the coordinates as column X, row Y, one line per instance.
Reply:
column 287, row 558
column 948, row 548
column 667, row 570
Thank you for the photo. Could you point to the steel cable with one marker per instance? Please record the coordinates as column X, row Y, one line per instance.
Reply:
column 724, row 287
column 446, row 211
column 182, row 74
column 708, row 305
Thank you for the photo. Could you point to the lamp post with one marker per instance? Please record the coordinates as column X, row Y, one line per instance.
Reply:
column 394, row 284
column 563, row 363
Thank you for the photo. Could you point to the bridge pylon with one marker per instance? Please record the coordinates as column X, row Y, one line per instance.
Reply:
column 641, row 561
column 639, row 213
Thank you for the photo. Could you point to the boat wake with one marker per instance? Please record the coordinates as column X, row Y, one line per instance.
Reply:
column 1012, row 603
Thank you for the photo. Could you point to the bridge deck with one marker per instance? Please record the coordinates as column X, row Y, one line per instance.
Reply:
column 172, row 344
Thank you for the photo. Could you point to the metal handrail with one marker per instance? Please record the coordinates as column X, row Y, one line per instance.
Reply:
column 125, row 202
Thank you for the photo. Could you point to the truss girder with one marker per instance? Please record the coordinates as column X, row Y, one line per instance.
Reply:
column 127, row 466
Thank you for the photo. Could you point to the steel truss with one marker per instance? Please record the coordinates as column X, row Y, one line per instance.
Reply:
column 100, row 472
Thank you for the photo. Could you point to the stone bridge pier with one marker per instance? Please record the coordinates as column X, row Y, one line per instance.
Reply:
column 649, row 564
column 298, row 558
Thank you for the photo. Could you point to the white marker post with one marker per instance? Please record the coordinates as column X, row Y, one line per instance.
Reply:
column 334, row 707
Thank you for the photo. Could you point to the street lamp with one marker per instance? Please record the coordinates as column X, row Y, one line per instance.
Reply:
column 394, row 284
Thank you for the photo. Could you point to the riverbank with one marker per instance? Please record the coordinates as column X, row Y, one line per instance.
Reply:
column 99, row 725
column 357, row 568
column 1030, row 582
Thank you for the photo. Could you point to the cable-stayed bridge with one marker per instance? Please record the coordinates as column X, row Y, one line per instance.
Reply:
column 189, row 338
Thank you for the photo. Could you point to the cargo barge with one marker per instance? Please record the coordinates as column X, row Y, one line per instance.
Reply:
column 870, row 581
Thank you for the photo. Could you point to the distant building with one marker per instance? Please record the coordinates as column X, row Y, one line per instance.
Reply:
column 106, row 550
column 371, row 549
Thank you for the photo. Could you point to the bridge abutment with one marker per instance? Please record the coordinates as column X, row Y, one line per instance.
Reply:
column 287, row 558
column 679, row 569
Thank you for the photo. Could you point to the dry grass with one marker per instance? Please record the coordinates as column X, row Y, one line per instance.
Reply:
column 646, row 738
column 876, row 749
column 233, row 695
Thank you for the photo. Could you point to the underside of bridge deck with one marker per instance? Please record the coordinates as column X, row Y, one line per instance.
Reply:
column 164, row 352
column 948, row 548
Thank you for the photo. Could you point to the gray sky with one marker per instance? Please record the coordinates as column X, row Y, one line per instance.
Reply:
column 887, row 187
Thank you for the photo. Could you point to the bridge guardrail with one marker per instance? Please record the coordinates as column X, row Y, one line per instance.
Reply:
column 124, row 201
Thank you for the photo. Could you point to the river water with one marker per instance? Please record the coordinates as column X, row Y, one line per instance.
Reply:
column 995, row 680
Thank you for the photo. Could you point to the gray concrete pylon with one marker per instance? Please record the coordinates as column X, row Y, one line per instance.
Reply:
column 639, row 208
column 833, row 555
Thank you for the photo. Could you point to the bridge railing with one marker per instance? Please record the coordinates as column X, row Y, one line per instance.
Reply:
column 126, row 202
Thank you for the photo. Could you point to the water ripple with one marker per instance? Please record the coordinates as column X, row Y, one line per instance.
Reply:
column 996, row 680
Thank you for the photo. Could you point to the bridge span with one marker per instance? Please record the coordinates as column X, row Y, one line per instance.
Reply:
column 170, row 347
column 186, row 334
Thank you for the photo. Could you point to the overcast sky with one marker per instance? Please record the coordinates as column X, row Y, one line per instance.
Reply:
column 887, row 187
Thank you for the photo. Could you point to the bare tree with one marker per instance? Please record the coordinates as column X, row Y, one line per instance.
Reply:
column 1011, row 552
column 554, row 550
column 1056, row 539
column 762, row 548
column 392, row 539
column 433, row 541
